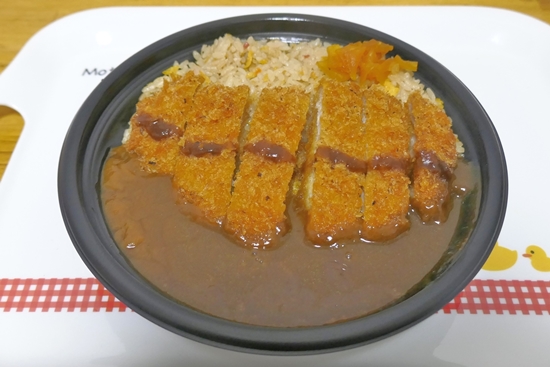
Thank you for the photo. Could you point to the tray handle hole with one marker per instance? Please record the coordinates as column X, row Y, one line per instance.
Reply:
column 11, row 125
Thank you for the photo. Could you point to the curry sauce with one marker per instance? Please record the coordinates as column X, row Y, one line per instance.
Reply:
column 295, row 284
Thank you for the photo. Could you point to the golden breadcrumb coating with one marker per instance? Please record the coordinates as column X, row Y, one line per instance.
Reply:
column 332, row 191
column 340, row 122
column 388, row 128
column 436, row 157
column 386, row 204
column 217, row 114
column 386, row 186
column 280, row 117
column 256, row 214
column 433, row 130
column 431, row 195
column 154, row 156
column 335, row 204
column 204, row 170
column 173, row 102
column 206, row 182
column 172, row 106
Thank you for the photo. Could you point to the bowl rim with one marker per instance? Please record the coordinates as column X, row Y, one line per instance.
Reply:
column 76, row 187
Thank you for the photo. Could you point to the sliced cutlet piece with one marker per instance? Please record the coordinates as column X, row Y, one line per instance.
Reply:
column 386, row 204
column 279, row 120
column 159, row 122
column 435, row 159
column 386, row 188
column 431, row 194
column 336, row 203
column 340, row 122
column 388, row 131
column 336, row 165
column 205, row 167
column 205, row 182
column 256, row 215
column 216, row 119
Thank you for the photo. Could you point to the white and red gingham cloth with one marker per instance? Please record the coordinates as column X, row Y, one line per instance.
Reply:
column 481, row 296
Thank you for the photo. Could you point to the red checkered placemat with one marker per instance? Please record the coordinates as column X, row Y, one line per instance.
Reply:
column 56, row 295
column 525, row 297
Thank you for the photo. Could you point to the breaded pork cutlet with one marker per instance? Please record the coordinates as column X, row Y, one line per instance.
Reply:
column 336, row 164
column 204, row 170
column 386, row 209
column 435, row 159
column 159, row 123
column 256, row 215
column 388, row 131
column 386, row 187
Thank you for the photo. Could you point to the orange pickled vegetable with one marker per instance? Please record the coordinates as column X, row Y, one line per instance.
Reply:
column 363, row 61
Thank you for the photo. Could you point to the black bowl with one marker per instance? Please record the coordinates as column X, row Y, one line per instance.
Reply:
column 99, row 125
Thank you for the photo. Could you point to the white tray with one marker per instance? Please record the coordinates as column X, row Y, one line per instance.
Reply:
column 54, row 313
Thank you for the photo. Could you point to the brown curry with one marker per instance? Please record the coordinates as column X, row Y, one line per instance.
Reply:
column 294, row 284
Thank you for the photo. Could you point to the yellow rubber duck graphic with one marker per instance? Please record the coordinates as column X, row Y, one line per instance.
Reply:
column 538, row 257
column 501, row 258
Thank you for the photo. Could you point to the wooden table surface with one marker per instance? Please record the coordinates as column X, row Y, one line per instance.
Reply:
column 20, row 19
